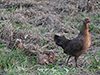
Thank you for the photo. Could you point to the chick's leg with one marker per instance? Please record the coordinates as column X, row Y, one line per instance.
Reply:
column 68, row 59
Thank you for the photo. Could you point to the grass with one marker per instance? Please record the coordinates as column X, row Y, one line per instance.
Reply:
column 95, row 60
column 55, row 70
column 15, row 62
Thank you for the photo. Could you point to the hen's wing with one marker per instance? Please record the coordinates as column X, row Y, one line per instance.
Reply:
column 74, row 46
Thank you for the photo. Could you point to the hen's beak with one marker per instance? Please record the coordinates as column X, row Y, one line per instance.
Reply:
column 89, row 21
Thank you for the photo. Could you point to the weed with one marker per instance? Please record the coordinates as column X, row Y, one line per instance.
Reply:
column 42, row 31
column 95, row 61
column 55, row 70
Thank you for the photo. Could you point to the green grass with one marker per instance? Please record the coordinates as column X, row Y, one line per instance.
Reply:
column 95, row 61
column 14, row 62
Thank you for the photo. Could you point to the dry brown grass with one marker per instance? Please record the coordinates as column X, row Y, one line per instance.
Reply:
column 36, row 22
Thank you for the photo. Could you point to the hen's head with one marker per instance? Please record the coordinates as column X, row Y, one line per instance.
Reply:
column 87, row 20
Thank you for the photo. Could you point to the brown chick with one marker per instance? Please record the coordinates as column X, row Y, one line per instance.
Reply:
column 50, row 54
column 13, row 44
column 76, row 46
column 42, row 59
column 46, row 57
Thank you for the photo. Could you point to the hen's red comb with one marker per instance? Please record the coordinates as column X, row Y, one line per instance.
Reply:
column 87, row 19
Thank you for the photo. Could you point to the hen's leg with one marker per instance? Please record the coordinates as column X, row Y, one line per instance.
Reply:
column 76, row 61
column 68, row 59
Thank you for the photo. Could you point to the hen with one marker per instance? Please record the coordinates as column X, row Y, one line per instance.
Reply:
column 76, row 46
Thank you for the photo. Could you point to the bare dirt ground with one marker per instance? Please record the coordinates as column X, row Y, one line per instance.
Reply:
column 36, row 22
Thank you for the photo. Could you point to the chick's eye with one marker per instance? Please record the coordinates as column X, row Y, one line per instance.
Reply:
column 18, row 41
